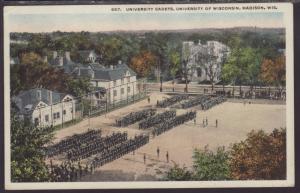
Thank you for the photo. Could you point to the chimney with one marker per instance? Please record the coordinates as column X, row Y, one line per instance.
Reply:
column 111, row 67
column 61, row 61
column 199, row 42
column 120, row 62
column 54, row 54
column 67, row 55
column 50, row 97
column 45, row 59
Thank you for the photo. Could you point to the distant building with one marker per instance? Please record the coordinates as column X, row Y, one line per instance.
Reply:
column 59, row 60
column 119, row 80
column 112, row 84
column 45, row 107
column 197, row 68
column 88, row 56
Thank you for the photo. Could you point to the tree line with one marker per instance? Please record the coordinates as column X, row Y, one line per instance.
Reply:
column 155, row 53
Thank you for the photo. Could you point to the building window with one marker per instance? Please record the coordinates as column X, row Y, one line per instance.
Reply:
column 115, row 83
column 36, row 121
column 64, row 112
column 128, row 89
column 128, row 79
column 56, row 115
column 122, row 80
column 47, row 118
column 115, row 93
column 199, row 72
column 122, row 90
column 96, row 83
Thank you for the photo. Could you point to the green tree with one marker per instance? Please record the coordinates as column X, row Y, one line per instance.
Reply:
column 241, row 66
column 254, row 69
column 209, row 165
column 27, row 151
column 110, row 48
column 185, row 59
column 177, row 173
column 175, row 66
column 79, row 86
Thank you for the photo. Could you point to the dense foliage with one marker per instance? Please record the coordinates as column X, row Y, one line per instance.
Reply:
column 27, row 155
column 33, row 72
column 209, row 165
column 273, row 71
column 261, row 156
column 178, row 173
column 162, row 49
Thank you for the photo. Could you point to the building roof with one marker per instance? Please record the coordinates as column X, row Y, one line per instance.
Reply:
column 101, row 73
column 33, row 97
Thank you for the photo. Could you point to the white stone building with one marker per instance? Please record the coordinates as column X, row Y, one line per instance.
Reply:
column 45, row 108
column 204, row 60
column 118, row 81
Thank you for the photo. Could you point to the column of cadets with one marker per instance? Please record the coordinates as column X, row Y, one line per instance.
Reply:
column 205, row 102
column 171, row 101
column 151, row 121
column 132, row 118
column 171, row 123
column 72, row 142
column 97, row 146
column 212, row 102
column 119, row 150
column 67, row 171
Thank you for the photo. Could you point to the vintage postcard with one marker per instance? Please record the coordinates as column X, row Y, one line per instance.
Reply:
column 149, row 96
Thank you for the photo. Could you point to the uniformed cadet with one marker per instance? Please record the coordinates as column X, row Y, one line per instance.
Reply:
column 167, row 156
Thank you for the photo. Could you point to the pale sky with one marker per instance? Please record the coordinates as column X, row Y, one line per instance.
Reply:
column 94, row 22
